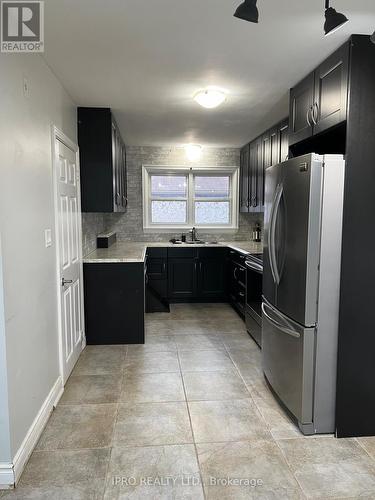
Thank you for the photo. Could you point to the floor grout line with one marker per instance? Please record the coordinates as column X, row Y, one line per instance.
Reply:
column 192, row 432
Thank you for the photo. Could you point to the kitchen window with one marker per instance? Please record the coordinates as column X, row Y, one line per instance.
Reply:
column 180, row 197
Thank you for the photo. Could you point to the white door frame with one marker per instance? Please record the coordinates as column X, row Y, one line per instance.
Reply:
column 56, row 133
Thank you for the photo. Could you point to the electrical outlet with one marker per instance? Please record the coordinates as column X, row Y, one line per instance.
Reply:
column 48, row 237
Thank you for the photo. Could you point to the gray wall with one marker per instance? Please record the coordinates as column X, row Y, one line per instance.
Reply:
column 129, row 225
column 26, row 210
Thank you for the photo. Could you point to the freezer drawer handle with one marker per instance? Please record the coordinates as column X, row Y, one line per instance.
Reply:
column 283, row 329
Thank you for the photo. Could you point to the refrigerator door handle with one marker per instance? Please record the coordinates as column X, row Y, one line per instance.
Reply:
column 272, row 234
column 270, row 239
column 280, row 327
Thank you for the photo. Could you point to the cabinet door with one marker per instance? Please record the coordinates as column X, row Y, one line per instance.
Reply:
column 244, row 179
column 275, row 146
column 331, row 90
column 182, row 278
column 115, row 169
column 253, row 177
column 124, row 177
column 212, row 273
column 300, row 113
column 258, row 175
column 284, row 140
column 266, row 162
column 211, row 279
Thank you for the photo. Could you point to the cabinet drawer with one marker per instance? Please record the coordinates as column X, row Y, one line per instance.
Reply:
column 157, row 253
column 182, row 253
column 212, row 253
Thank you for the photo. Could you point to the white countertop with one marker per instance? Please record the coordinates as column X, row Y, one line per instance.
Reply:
column 122, row 252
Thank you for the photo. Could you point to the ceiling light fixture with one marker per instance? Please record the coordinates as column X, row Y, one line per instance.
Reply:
column 248, row 11
column 372, row 37
column 193, row 152
column 210, row 98
column 334, row 20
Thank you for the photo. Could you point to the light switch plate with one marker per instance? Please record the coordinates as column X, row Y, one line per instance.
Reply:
column 48, row 237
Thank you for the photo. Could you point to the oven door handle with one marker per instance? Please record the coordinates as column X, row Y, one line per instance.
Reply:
column 254, row 266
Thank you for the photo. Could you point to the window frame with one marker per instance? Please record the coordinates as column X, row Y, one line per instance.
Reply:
column 214, row 171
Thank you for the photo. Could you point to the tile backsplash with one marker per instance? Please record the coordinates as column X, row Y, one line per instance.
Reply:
column 129, row 225
column 92, row 225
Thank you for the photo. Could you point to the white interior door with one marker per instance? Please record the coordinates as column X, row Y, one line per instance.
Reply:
column 68, row 220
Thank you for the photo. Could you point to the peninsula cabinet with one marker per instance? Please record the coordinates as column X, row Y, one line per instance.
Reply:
column 114, row 296
column 102, row 161
column 319, row 101
column 270, row 148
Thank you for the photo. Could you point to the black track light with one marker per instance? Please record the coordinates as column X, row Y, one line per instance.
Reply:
column 248, row 11
column 372, row 37
column 333, row 19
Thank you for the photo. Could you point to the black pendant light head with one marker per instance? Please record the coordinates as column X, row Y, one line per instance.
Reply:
column 248, row 11
column 333, row 19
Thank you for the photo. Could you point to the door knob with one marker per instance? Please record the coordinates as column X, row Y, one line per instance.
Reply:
column 65, row 282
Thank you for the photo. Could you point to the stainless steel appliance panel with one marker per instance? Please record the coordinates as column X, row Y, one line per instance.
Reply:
column 294, row 238
column 273, row 176
column 288, row 362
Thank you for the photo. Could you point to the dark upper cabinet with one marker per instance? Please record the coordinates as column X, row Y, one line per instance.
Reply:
column 319, row 101
column 244, row 179
column 331, row 90
column 102, row 161
column 284, row 140
column 270, row 148
column 300, row 112
column 275, row 138
column 253, row 177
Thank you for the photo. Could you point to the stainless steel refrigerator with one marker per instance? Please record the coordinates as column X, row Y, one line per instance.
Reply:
column 301, row 281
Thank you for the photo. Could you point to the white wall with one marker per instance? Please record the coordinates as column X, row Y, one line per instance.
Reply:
column 26, row 210
column 5, row 452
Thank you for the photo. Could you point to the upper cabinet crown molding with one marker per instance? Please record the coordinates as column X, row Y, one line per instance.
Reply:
column 102, row 161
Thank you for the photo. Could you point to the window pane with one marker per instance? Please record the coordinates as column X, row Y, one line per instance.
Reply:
column 168, row 186
column 168, row 212
column 212, row 212
column 212, row 187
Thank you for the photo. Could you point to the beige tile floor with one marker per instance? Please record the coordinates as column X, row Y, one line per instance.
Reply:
column 189, row 408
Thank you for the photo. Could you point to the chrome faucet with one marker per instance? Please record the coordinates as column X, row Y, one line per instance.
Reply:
column 194, row 234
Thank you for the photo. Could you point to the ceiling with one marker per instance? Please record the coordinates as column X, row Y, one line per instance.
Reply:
column 146, row 59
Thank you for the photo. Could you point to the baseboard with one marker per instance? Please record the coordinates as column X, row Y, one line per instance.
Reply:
column 11, row 473
column 6, row 476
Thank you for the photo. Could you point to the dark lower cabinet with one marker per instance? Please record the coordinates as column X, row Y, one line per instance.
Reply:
column 182, row 278
column 212, row 274
column 114, row 303
column 157, row 280
column 197, row 274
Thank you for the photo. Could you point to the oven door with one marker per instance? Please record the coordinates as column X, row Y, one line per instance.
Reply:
column 254, row 284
